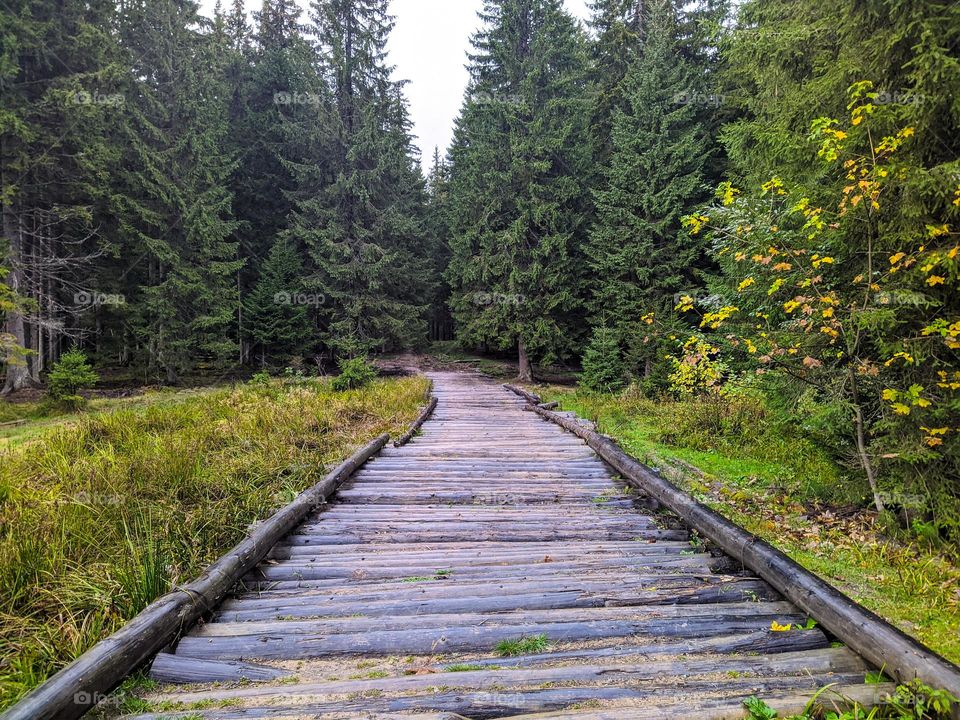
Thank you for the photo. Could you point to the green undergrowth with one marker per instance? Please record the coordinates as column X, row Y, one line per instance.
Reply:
column 527, row 645
column 753, row 469
column 102, row 514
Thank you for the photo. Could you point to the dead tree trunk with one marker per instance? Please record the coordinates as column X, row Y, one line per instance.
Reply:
column 525, row 369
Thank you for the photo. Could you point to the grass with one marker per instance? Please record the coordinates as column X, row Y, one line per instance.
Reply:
column 468, row 667
column 528, row 645
column 103, row 511
column 751, row 468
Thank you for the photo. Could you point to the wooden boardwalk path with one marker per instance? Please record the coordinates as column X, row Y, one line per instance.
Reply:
column 496, row 532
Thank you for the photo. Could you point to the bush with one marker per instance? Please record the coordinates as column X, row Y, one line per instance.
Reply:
column 68, row 376
column 603, row 366
column 354, row 373
column 259, row 379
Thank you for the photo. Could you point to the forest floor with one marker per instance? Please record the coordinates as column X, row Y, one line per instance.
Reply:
column 104, row 510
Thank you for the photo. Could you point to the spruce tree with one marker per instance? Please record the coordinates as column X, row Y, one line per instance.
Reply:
column 277, row 307
column 277, row 87
column 518, row 198
column 618, row 26
column 603, row 366
column 55, row 155
column 358, row 205
column 639, row 254
column 176, row 206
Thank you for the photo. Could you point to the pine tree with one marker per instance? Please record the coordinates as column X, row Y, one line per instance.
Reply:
column 603, row 366
column 275, row 310
column 639, row 254
column 619, row 27
column 518, row 201
column 177, row 214
column 358, row 205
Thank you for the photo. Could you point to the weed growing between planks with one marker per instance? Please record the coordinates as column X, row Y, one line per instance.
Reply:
column 101, row 516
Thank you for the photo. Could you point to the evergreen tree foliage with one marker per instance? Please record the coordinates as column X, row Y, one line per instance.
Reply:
column 787, row 63
column 518, row 198
column 619, row 27
column 603, row 366
column 177, row 207
column 358, row 207
column 70, row 374
column 639, row 253
column 276, row 309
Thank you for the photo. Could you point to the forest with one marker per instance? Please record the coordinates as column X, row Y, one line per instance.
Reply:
column 748, row 207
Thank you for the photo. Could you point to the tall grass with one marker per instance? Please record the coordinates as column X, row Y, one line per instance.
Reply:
column 100, row 517
column 730, row 435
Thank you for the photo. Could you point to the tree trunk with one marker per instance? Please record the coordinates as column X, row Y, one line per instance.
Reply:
column 526, row 371
column 861, row 433
column 18, row 368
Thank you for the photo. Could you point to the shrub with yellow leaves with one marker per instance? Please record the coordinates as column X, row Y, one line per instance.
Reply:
column 852, row 286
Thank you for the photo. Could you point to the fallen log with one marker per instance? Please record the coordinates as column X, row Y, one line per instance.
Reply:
column 88, row 679
column 901, row 656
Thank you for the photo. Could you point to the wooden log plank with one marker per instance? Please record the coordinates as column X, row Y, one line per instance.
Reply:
column 763, row 612
column 178, row 669
column 427, row 641
column 615, row 589
column 830, row 660
column 485, row 704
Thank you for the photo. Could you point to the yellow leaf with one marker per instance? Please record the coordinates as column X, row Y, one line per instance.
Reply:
column 901, row 409
column 777, row 627
column 935, row 280
column 894, row 259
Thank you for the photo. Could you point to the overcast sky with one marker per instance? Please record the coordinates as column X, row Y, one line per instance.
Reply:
column 428, row 47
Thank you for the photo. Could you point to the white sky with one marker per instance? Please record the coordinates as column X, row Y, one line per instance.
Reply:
column 428, row 47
